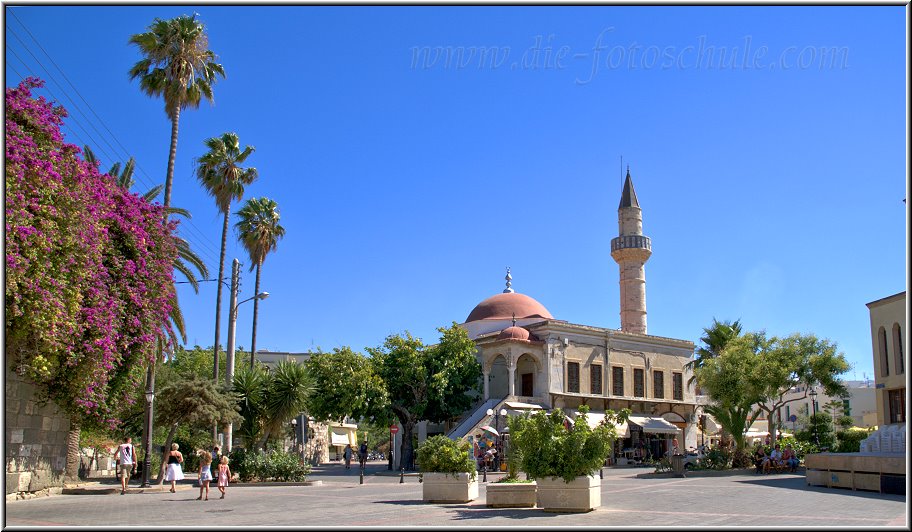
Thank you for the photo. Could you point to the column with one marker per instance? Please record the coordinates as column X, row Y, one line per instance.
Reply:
column 485, row 376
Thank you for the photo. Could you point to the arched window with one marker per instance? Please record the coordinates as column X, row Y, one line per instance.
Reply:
column 898, row 361
column 882, row 344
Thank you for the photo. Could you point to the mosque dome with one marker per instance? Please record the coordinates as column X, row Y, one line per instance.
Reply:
column 507, row 306
column 517, row 333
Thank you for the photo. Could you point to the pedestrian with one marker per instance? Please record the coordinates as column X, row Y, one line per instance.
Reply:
column 347, row 453
column 363, row 453
column 205, row 473
column 224, row 475
column 216, row 459
column 174, row 471
column 126, row 458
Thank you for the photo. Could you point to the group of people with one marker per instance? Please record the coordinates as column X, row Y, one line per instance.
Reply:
column 362, row 454
column 486, row 453
column 126, row 466
column 776, row 458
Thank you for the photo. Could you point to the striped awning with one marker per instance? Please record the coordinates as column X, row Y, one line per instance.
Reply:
column 340, row 438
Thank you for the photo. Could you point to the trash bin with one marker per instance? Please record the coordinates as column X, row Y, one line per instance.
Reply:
column 677, row 464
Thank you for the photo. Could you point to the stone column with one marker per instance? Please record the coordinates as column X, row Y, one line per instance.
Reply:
column 484, row 375
column 512, row 388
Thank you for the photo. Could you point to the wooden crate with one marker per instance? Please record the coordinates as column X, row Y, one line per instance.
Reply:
column 867, row 481
column 841, row 479
column 817, row 477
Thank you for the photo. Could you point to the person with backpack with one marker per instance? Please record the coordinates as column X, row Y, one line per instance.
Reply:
column 126, row 462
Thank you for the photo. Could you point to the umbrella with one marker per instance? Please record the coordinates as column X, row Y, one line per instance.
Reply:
column 490, row 429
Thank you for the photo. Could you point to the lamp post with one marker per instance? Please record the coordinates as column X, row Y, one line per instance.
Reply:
column 703, row 432
column 813, row 394
column 294, row 435
column 497, row 415
column 147, row 441
column 232, row 327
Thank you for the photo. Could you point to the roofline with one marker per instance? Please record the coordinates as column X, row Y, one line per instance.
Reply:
column 888, row 299
column 610, row 333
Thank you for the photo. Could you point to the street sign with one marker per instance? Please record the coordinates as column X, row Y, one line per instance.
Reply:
column 394, row 429
column 793, row 418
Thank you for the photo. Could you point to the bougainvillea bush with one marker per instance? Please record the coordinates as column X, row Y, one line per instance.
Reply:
column 88, row 267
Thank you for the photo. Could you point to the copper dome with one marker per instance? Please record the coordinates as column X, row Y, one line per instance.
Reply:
column 507, row 306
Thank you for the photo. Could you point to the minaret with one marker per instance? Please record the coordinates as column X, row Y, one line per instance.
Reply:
column 631, row 250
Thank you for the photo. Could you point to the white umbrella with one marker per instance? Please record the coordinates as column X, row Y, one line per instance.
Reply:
column 490, row 429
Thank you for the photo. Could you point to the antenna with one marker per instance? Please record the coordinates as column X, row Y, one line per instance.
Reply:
column 622, row 171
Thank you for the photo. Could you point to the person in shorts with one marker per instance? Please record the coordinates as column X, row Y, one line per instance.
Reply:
column 126, row 459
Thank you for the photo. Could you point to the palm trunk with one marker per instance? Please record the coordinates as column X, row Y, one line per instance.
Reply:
column 72, row 456
column 218, row 313
column 169, row 177
column 256, row 304
column 164, row 463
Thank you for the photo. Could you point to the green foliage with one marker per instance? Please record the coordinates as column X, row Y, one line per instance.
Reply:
column 195, row 401
column 440, row 454
column 274, row 465
column 269, row 399
column 346, row 385
column 717, row 458
column 849, row 441
column 548, row 449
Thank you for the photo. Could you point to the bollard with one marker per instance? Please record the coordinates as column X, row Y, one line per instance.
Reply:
column 361, row 477
column 484, row 473
column 402, row 475
column 601, row 473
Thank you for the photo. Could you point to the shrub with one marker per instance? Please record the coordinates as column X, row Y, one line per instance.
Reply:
column 440, row 454
column 551, row 449
column 849, row 441
column 262, row 466
column 717, row 458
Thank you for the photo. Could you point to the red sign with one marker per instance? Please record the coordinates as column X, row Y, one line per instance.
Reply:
column 394, row 429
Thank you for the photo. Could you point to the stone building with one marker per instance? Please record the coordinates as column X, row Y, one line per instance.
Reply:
column 888, row 316
column 530, row 357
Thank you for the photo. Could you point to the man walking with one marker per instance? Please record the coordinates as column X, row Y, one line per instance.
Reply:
column 363, row 453
column 126, row 458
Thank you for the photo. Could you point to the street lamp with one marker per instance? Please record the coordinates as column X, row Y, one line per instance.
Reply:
column 497, row 415
column 703, row 432
column 294, row 435
column 813, row 394
column 147, row 441
column 232, row 327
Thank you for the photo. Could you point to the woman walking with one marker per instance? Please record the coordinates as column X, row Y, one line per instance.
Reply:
column 174, row 471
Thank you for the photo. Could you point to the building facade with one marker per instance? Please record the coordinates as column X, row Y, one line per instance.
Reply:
column 888, row 339
column 530, row 357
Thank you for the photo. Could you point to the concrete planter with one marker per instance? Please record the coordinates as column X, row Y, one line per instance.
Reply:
column 510, row 495
column 449, row 487
column 581, row 495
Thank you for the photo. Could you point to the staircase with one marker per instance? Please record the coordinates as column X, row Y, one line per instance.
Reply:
column 469, row 423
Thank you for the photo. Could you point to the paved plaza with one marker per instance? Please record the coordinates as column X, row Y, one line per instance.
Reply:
column 782, row 500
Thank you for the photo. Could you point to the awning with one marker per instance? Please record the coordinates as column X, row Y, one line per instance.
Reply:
column 595, row 418
column 341, row 438
column 521, row 406
column 654, row 425
column 755, row 434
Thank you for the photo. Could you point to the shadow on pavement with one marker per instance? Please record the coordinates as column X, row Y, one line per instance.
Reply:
column 801, row 484
column 412, row 502
column 483, row 512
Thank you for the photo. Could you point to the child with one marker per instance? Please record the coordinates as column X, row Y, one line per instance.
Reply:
column 205, row 473
column 224, row 474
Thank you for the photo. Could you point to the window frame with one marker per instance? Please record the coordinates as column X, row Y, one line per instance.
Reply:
column 570, row 373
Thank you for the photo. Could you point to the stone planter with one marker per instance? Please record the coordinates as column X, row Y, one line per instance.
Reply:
column 581, row 495
column 449, row 487
column 510, row 495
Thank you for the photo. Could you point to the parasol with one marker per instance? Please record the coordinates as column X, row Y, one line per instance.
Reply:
column 492, row 430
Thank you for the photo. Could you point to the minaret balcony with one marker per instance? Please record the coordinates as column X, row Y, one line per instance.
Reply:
column 631, row 242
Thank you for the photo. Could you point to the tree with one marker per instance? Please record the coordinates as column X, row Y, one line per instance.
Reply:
column 178, row 67
column 220, row 173
column 259, row 231
column 723, row 378
column 195, row 401
column 269, row 399
column 427, row 382
column 714, row 339
column 88, row 271
column 780, row 364
column 345, row 384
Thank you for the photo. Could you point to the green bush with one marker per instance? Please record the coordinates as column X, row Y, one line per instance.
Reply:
column 717, row 458
column 440, row 454
column 549, row 449
column 849, row 441
column 260, row 466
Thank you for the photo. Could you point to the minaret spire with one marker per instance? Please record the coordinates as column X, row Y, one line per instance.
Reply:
column 508, row 289
column 631, row 249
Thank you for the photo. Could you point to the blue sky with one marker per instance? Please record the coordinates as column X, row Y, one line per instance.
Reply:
column 770, row 174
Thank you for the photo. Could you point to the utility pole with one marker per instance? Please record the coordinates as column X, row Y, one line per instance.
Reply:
column 232, row 326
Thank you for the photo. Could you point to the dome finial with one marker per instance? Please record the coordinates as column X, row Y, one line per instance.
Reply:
column 508, row 289
column 514, row 319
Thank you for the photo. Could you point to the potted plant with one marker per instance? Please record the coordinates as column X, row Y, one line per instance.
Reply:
column 511, row 491
column 563, row 458
column 447, row 470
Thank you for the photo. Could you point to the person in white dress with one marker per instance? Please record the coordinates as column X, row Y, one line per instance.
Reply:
column 174, row 472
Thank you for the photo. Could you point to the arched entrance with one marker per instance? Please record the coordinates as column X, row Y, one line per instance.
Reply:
column 526, row 369
column 498, row 378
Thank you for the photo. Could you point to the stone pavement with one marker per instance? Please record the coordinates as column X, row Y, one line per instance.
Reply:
column 782, row 500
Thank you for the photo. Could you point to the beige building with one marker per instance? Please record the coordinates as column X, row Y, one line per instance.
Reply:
column 888, row 317
column 529, row 357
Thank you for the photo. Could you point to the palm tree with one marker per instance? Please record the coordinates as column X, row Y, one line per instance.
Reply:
column 259, row 231
column 219, row 171
column 178, row 67
column 714, row 339
column 288, row 388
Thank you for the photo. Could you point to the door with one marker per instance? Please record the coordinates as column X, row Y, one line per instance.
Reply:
column 527, row 390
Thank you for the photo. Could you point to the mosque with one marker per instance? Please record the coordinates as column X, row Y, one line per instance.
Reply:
column 532, row 360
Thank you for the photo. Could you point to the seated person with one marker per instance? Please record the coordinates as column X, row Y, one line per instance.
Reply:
column 775, row 458
column 760, row 458
column 790, row 457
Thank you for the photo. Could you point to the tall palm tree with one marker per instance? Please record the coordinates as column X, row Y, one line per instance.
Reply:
column 714, row 339
column 178, row 67
column 219, row 171
column 259, row 231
